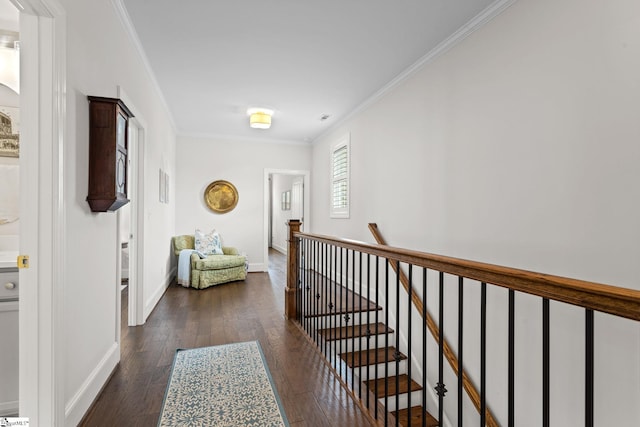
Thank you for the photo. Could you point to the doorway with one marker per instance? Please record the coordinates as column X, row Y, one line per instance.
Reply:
column 130, row 223
column 286, row 198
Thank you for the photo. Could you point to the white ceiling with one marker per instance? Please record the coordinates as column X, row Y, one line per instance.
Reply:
column 8, row 16
column 214, row 59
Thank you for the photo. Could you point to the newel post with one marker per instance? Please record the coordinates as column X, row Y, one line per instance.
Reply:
column 292, row 270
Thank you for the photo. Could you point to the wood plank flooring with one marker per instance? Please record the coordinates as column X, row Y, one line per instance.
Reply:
column 233, row 312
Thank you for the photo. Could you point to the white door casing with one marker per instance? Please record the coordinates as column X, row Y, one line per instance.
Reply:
column 42, row 225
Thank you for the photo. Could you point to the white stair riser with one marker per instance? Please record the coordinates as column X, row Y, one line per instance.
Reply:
column 357, row 344
column 403, row 400
column 380, row 370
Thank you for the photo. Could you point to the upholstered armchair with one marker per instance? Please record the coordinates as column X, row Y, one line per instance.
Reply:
column 211, row 269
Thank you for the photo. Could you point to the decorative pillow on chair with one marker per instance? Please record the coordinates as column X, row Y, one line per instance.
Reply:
column 208, row 244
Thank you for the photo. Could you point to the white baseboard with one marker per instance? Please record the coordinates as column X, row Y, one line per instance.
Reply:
column 8, row 409
column 81, row 401
column 153, row 300
column 282, row 250
column 257, row 267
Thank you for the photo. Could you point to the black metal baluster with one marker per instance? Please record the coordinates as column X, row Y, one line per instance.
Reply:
column 360, row 316
column 377, row 294
column 326, row 298
column 318, row 294
column 386, row 321
column 410, row 339
column 353, row 333
column 483, row 354
column 320, row 297
column 353, row 313
column 299, row 278
column 424, row 347
column 344, row 303
column 333, row 298
column 512, row 359
column 460, row 346
column 396, row 354
column 589, row 363
column 340, row 302
column 368, row 323
column 545, row 362
column 440, row 388
column 316, row 291
column 314, row 288
column 305, row 286
column 304, row 292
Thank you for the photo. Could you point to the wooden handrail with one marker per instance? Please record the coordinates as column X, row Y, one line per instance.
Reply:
column 614, row 300
column 468, row 385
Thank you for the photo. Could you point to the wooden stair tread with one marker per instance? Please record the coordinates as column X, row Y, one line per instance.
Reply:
column 357, row 359
column 404, row 382
column 354, row 331
column 339, row 300
column 416, row 417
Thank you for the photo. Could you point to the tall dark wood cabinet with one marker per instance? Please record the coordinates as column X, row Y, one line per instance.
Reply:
column 108, row 143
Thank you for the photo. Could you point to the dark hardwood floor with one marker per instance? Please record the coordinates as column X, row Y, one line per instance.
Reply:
column 233, row 312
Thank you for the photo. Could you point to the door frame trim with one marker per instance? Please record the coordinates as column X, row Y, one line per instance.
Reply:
column 42, row 223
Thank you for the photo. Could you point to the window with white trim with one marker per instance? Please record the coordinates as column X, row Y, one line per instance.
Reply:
column 340, row 165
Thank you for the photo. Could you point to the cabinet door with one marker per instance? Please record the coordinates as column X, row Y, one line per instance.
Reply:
column 9, row 358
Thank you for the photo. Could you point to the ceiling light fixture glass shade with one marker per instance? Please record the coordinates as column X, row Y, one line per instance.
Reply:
column 260, row 118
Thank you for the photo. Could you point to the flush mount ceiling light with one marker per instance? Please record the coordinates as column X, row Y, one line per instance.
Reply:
column 260, row 118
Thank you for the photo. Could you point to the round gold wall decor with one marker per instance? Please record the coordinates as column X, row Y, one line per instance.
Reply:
column 221, row 196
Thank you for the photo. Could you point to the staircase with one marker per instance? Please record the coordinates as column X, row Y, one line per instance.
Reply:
column 371, row 369
column 360, row 346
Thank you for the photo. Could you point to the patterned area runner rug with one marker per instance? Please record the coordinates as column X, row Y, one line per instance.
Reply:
column 225, row 385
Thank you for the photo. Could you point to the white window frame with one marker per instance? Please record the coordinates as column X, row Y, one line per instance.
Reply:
column 342, row 211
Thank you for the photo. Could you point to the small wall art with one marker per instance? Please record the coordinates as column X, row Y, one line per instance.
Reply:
column 163, row 186
column 286, row 200
column 9, row 131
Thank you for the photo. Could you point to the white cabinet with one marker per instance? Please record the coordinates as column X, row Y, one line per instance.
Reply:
column 8, row 341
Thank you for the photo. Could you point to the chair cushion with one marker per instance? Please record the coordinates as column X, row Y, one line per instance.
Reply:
column 219, row 262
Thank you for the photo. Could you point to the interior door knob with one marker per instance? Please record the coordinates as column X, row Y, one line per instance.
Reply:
column 9, row 285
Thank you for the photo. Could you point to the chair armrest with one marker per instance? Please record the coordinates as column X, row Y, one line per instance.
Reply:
column 194, row 257
column 230, row 250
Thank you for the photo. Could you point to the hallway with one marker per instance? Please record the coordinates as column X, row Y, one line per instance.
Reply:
column 233, row 312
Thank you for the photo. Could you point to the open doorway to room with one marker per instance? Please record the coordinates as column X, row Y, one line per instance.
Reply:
column 287, row 192
column 288, row 198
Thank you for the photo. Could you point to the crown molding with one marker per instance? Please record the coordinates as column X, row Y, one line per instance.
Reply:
column 125, row 19
column 480, row 20
column 236, row 138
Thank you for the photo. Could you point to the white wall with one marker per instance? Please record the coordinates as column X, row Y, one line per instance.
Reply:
column 199, row 161
column 100, row 57
column 520, row 146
